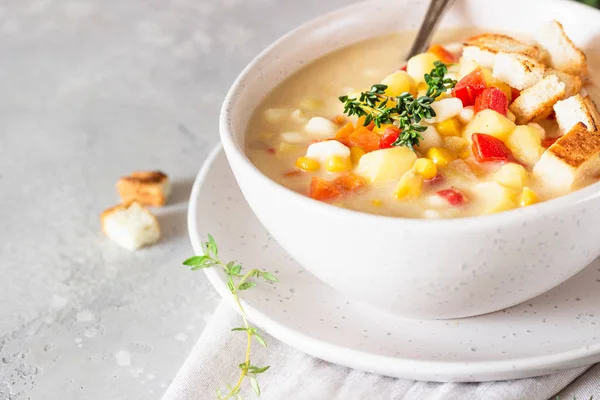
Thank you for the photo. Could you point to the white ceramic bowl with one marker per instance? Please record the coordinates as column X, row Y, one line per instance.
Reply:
column 416, row 268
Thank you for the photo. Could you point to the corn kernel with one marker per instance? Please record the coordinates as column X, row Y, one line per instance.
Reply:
column 464, row 154
column 310, row 104
column 376, row 202
column 504, row 88
column 425, row 167
column 266, row 135
column 528, row 197
column 381, row 129
column 356, row 153
column 489, row 77
column 288, row 148
column 511, row 175
column 338, row 164
column 307, row 164
column 440, row 156
column 409, row 186
column 450, row 127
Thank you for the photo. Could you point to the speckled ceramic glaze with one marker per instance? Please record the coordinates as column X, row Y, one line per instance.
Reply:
column 557, row 330
column 416, row 268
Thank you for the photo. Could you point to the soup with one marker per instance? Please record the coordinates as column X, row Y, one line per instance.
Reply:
column 462, row 130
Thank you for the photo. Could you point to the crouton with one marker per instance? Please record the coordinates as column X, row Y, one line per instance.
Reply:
column 593, row 109
column 564, row 55
column 483, row 48
column 149, row 188
column 573, row 83
column 518, row 71
column 572, row 158
column 573, row 110
column 130, row 225
column 536, row 102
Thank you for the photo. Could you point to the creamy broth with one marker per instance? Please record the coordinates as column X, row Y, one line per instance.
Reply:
column 314, row 92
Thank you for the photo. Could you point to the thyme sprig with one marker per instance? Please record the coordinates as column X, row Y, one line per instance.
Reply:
column 236, row 282
column 403, row 111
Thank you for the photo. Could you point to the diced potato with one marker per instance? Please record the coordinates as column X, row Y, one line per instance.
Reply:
column 293, row 137
column 275, row 115
column 399, row 82
column 459, row 169
column 440, row 156
column 420, row 65
column 307, row 164
column 386, row 165
column 467, row 67
column 338, row 164
column 496, row 197
column 298, row 116
column 510, row 115
column 490, row 122
column 324, row 150
column 455, row 144
column 409, row 186
column 450, row 127
column 525, row 144
column 540, row 129
column 426, row 168
column 489, row 77
column 431, row 138
column 466, row 115
column 528, row 197
column 512, row 175
column 321, row 127
column 445, row 109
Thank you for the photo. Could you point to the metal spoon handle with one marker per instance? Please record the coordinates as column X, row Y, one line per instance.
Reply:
column 432, row 18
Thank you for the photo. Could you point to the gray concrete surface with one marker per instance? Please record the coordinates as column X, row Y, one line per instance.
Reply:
column 89, row 91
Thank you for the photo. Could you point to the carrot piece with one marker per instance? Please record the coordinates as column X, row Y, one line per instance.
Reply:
column 444, row 55
column 349, row 183
column 322, row 190
column 292, row 173
column 271, row 150
column 363, row 137
column 361, row 122
column 344, row 131
column 339, row 120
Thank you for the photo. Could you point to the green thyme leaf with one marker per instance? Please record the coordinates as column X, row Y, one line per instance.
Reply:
column 254, row 384
column 246, row 286
column 212, row 246
column 236, row 269
column 239, row 329
column 269, row 277
column 260, row 339
column 194, row 261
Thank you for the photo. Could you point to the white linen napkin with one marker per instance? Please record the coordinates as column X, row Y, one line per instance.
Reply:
column 214, row 361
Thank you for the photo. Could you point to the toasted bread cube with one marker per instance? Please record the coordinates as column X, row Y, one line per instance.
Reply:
column 573, row 157
column 536, row 102
column 593, row 109
column 483, row 48
column 571, row 111
column 151, row 188
column 517, row 70
column 130, row 225
column 564, row 55
column 573, row 83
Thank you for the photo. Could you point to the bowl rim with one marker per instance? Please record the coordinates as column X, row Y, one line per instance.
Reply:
column 518, row 215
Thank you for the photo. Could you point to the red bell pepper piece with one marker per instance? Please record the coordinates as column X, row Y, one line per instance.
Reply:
column 271, row 150
column 404, row 67
column 549, row 142
column 492, row 98
column 469, row 87
column 514, row 93
column 452, row 196
column 436, row 180
column 488, row 148
column 444, row 55
column 390, row 135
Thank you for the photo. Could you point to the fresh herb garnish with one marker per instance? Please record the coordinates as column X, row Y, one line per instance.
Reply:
column 236, row 282
column 403, row 111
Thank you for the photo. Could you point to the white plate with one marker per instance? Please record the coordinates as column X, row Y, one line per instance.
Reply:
column 555, row 331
